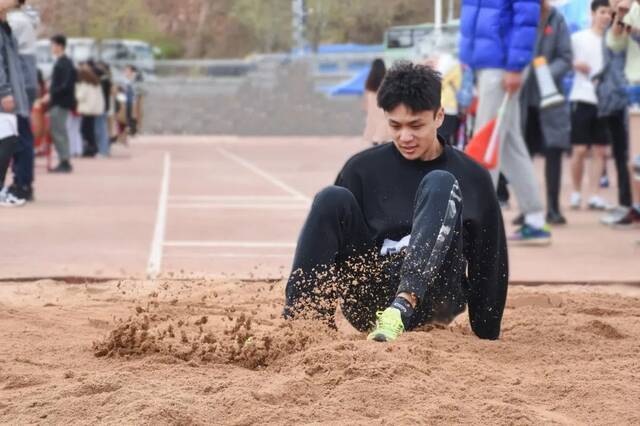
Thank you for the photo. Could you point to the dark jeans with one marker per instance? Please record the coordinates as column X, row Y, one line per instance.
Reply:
column 88, row 131
column 337, row 259
column 23, row 156
column 619, row 138
column 7, row 147
column 552, row 158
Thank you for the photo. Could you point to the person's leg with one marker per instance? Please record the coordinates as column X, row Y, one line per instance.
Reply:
column 503, row 190
column 431, row 273
column 7, row 146
column 578, row 157
column 76, row 135
column 432, row 270
column 620, row 148
column 102, row 134
column 89, row 135
column 24, row 157
column 598, row 160
column 513, row 158
column 533, row 132
column 335, row 232
column 518, row 168
column 600, row 138
column 58, row 123
column 553, row 177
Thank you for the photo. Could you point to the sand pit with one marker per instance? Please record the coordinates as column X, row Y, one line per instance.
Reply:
column 204, row 352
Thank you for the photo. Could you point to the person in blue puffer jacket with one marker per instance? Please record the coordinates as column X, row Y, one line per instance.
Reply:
column 498, row 38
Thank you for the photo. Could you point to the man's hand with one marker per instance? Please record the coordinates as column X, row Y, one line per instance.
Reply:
column 46, row 98
column 621, row 8
column 8, row 104
column 512, row 81
column 582, row 67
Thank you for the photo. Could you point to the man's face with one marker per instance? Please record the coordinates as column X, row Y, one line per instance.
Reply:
column 602, row 18
column 56, row 49
column 414, row 133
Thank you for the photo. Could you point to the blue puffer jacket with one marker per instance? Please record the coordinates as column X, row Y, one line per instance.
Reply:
column 498, row 33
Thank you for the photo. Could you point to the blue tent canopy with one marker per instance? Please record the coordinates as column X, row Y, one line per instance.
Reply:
column 352, row 87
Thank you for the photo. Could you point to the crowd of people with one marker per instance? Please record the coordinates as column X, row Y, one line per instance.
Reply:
column 81, row 111
column 581, row 109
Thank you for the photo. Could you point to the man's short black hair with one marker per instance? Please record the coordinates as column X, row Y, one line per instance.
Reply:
column 596, row 4
column 418, row 87
column 60, row 40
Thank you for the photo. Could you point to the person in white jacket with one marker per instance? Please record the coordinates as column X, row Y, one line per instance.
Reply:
column 90, row 105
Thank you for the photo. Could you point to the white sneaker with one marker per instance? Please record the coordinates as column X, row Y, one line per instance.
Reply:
column 597, row 203
column 7, row 199
column 575, row 201
column 614, row 215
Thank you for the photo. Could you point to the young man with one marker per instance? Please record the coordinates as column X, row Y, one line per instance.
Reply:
column 587, row 129
column 497, row 41
column 413, row 226
column 61, row 100
column 13, row 101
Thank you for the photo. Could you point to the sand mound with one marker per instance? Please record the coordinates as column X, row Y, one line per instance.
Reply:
column 202, row 352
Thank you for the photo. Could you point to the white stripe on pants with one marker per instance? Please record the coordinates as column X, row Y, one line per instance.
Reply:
column 513, row 159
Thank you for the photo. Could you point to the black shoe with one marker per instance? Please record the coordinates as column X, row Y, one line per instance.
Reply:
column 518, row 221
column 24, row 192
column 63, row 167
column 556, row 218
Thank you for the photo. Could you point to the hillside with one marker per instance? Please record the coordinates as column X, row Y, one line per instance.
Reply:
column 229, row 28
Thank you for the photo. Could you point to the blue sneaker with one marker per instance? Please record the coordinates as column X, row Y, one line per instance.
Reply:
column 528, row 235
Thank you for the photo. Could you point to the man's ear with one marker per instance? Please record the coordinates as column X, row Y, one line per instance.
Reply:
column 440, row 117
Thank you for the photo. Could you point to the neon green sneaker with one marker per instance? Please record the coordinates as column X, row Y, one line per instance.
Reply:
column 388, row 326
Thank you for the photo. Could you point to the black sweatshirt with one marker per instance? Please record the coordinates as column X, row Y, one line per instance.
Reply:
column 63, row 84
column 385, row 184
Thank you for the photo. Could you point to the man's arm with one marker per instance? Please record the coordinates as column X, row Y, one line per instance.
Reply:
column 526, row 14
column 488, row 268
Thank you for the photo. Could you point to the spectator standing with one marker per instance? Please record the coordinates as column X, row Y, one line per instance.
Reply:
column 62, row 101
column 498, row 40
column 588, row 130
column 625, row 37
column 90, row 105
column 612, row 107
column 547, row 129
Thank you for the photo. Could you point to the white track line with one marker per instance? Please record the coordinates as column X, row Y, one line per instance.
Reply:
column 155, row 257
column 235, row 199
column 238, row 206
column 269, row 177
column 230, row 244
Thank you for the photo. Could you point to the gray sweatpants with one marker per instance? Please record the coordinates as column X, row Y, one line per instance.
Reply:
column 513, row 159
column 58, row 119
